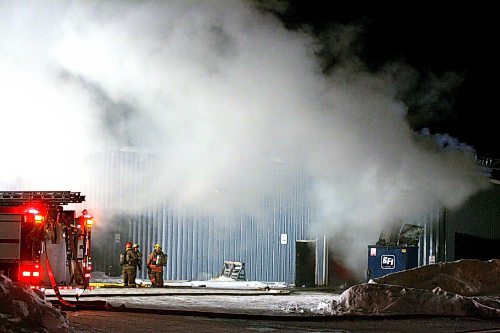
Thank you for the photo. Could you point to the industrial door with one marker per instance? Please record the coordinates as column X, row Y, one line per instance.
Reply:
column 305, row 263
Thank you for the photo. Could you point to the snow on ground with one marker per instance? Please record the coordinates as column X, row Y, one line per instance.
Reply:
column 297, row 304
column 442, row 289
column 22, row 310
column 376, row 299
column 221, row 282
column 435, row 290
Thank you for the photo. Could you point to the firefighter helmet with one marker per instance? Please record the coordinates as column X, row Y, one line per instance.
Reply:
column 157, row 246
column 135, row 245
column 128, row 245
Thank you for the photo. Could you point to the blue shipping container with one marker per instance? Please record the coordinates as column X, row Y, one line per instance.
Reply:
column 383, row 260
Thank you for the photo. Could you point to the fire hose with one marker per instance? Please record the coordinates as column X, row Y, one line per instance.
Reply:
column 53, row 282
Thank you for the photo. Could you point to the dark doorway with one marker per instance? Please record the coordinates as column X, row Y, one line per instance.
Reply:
column 305, row 263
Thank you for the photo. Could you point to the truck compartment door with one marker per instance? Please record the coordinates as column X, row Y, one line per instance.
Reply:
column 10, row 237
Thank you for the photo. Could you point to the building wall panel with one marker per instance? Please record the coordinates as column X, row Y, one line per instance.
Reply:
column 197, row 243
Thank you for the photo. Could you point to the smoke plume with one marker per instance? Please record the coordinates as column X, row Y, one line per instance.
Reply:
column 226, row 97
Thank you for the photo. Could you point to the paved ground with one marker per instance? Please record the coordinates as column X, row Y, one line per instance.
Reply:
column 116, row 322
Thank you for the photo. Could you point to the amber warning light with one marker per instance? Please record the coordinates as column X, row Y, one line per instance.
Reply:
column 89, row 220
column 33, row 215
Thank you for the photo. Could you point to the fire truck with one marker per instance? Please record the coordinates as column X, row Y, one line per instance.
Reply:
column 41, row 243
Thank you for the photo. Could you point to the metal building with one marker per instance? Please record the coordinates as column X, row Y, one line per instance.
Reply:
column 197, row 244
column 473, row 230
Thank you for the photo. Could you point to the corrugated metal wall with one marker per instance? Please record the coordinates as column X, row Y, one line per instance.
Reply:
column 196, row 243
column 431, row 243
column 480, row 217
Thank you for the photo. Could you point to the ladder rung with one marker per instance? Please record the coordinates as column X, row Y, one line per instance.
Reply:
column 47, row 197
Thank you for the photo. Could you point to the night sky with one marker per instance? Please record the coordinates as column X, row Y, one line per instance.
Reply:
column 437, row 41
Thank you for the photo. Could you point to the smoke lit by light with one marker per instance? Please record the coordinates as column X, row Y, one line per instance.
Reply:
column 226, row 97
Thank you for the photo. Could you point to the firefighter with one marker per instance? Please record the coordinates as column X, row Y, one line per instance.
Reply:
column 135, row 247
column 129, row 260
column 156, row 260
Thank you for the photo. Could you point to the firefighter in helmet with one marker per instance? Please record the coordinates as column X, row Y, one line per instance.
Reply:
column 156, row 261
column 135, row 247
column 129, row 260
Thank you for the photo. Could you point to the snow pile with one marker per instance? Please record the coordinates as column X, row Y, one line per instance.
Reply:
column 21, row 310
column 381, row 299
column 302, row 308
column 443, row 289
column 222, row 279
column 467, row 277
column 101, row 277
column 222, row 284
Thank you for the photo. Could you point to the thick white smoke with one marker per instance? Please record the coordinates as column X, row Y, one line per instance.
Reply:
column 226, row 96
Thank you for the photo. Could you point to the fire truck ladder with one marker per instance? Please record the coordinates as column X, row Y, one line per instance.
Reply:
column 52, row 198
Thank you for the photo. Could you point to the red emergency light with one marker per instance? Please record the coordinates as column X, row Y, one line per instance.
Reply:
column 30, row 274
